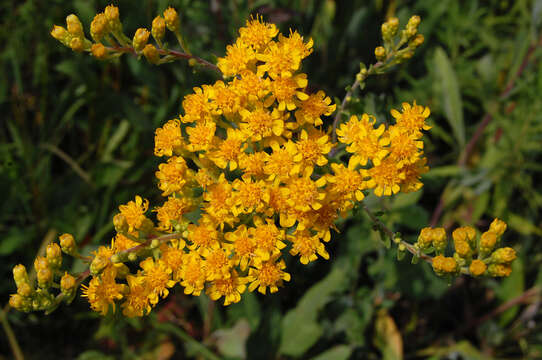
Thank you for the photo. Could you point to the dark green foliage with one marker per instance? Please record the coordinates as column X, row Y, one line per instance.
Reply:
column 76, row 140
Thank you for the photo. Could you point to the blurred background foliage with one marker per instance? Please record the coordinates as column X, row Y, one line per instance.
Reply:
column 76, row 140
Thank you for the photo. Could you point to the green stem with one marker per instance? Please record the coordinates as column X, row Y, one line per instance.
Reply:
column 181, row 334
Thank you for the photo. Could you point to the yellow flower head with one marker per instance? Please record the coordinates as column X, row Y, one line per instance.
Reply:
column 136, row 302
column 172, row 211
column 230, row 287
column 412, row 118
column 267, row 274
column 173, row 175
column 168, row 139
column 157, row 277
column 134, row 212
column 310, row 110
column 102, row 291
column 307, row 246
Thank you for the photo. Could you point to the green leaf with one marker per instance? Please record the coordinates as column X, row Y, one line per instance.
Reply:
column 339, row 352
column 300, row 329
column 231, row 342
column 451, row 97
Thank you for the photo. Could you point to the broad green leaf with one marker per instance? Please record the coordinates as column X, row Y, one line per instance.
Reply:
column 299, row 327
column 450, row 93
column 339, row 352
column 231, row 342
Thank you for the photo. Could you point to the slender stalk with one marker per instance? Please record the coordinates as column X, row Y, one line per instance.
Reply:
column 181, row 334
column 410, row 248
column 74, row 165
column 173, row 53
column 12, row 339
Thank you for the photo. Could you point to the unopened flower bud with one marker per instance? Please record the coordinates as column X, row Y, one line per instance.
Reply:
column 67, row 284
column 462, row 248
column 158, row 28
column 98, row 264
column 54, row 255
column 67, row 243
column 504, row 255
column 75, row 28
column 151, row 54
column 99, row 51
column 45, row 278
column 393, row 25
column 477, row 267
column 425, row 238
column 20, row 275
column 140, row 39
column 20, row 303
column 465, row 233
column 25, row 290
column 132, row 256
column 417, row 41
column 487, row 242
column 41, row 263
column 172, row 19
column 444, row 265
column 112, row 15
column 61, row 34
column 498, row 227
column 76, row 44
column 440, row 240
column 99, row 27
column 412, row 26
column 499, row 270
column 120, row 224
column 380, row 53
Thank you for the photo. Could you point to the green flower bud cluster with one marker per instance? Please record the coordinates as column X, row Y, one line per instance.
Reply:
column 31, row 298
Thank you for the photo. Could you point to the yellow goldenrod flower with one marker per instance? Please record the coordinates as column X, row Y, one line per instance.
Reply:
column 136, row 302
column 261, row 123
column 102, row 291
column 313, row 147
column 157, row 278
column 239, row 57
column 385, row 178
column 267, row 274
column 172, row 176
column 268, row 238
column 286, row 91
column 229, row 150
column 134, row 212
column 310, row 110
column 346, row 183
column 253, row 164
column 363, row 140
column 158, row 29
column 307, row 246
column 257, row 33
column 283, row 161
column 203, row 237
column 171, row 212
column 250, row 196
column 412, row 118
column 193, row 274
column 242, row 244
column 168, row 139
column 201, row 136
column 230, row 287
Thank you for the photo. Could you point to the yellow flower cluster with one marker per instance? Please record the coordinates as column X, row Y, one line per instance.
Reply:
column 247, row 177
column 472, row 255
